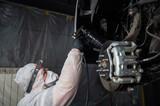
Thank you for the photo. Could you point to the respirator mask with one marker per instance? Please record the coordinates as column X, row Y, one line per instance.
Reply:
column 51, row 78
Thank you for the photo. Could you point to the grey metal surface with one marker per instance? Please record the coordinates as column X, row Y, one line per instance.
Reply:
column 123, row 63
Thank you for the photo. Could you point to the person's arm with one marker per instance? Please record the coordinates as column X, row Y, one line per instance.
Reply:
column 66, row 87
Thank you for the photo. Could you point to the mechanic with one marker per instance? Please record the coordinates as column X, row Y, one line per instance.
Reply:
column 48, row 89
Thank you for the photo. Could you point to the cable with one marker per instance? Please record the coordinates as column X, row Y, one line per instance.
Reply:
column 150, row 58
column 87, row 73
column 150, row 15
column 145, row 39
column 156, row 37
column 152, row 35
column 75, row 19
column 154, row 68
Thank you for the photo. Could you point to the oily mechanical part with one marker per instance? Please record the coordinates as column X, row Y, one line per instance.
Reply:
column 104, row 65
column 134, row 27
column 109, row 85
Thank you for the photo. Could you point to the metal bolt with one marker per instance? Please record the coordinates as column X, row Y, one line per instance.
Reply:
column 99, row 65
column 129, row 89
column 138, row 50
column 105, row 59
column 140, row 70
column 98, row 70
column 102, row 75
column 101, row 55
column 106, row 70
column 98, row 61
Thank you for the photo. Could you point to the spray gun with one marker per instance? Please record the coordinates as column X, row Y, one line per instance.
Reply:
column 91, row 39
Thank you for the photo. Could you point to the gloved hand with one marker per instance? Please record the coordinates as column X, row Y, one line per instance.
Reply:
column 78, row 44
column 86, row 45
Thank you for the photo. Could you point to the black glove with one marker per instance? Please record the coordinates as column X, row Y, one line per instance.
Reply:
column 78, row 44
column 85, row 43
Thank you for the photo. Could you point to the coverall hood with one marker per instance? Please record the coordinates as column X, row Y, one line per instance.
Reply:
column 24, row 75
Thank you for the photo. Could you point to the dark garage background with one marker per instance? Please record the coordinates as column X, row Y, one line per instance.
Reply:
column 32, row 30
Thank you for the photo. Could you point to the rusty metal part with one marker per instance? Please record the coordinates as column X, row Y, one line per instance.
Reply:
column 109, row 85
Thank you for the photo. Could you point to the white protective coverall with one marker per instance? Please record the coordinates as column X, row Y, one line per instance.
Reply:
column 60, row 94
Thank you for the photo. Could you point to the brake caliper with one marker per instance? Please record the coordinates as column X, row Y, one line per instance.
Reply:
column 118, row 63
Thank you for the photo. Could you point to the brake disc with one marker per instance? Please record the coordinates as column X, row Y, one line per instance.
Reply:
column 103, row 70
column 109, row 85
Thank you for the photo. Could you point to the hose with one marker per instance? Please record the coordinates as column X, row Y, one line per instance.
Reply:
column 154, row 68
column 154, row 36
column 87, row 73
